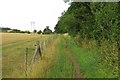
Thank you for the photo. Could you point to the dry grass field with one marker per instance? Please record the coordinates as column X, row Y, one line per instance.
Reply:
column 8, row 38
column 13, row 52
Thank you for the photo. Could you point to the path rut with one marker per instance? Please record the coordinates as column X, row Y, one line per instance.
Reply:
column 75, row 64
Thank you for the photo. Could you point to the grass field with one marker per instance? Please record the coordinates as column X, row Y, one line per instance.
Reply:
column 55, row 63
column 63, row 58
column 13, row 52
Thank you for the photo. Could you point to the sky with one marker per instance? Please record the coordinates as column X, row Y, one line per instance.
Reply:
column 18, row 14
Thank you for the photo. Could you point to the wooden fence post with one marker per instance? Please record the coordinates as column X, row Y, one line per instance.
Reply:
column 37, row 50
column 44, row 46
column 26, row 56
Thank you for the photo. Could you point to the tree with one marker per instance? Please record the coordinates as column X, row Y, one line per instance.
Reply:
column 66, row 1
column 91, row 20
column 15, row 31
column 78, row 19
column 35, row 31
column 47, row 30
column 95, row 21
column 39, row 32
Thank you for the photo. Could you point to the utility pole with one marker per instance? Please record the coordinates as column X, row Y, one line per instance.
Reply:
column 32, row 26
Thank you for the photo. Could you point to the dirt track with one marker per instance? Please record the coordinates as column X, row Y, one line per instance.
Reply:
column 75, row 64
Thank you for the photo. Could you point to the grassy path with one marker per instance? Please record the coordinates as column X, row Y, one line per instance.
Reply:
column 62, row 66
column 88, row 61
column 66, row 65
column 75, row 64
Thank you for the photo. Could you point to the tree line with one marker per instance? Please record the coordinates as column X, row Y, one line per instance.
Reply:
column 98, row 23
column 92, row 21
column 47, row 30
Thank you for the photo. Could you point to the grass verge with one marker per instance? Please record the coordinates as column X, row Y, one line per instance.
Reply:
column 62, row 68
column 89, row 61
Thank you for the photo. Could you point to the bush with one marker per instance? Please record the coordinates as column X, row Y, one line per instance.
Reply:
column 39, row 32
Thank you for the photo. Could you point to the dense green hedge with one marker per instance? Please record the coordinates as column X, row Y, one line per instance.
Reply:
column 92, row 21
column 97, row 23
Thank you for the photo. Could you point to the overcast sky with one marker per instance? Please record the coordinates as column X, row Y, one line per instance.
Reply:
column 17, row 14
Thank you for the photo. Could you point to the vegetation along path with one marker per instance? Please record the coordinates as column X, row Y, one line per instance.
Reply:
column 63, row 58
column 75, row 64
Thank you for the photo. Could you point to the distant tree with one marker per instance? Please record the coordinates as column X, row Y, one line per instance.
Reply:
column 66, row 1
column 27, row 32
column 47, row 30
column 35, row 31
column 22, row 31
column 39, row 32
column 3, row 29
column 15, row 31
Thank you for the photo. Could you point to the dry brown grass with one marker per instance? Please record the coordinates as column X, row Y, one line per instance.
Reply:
column 13, row 52
column 8, row 38
column 40, row 67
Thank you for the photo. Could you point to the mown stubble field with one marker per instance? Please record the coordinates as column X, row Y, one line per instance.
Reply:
column 13, row 52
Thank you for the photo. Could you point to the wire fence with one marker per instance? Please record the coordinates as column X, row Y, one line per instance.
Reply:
column 41, row 48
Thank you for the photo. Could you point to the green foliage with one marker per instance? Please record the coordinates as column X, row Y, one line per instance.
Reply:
column 99, row 22
column 106, row 20
column 3, row 29
column 9, row 30
column 47, row 30
column 15, row 31
column 91, row 20
column 25, row 32
column 63, row 66
column 92, row 63
column 74, row 21
column 39, row 32
column 35, row 31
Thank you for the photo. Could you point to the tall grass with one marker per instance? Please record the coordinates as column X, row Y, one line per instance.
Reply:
column 41, row 68
column 96, row 62
column 62, row 67
column 13, row 53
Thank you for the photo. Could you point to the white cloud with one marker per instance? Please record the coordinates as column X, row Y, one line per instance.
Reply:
column 19, row 13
